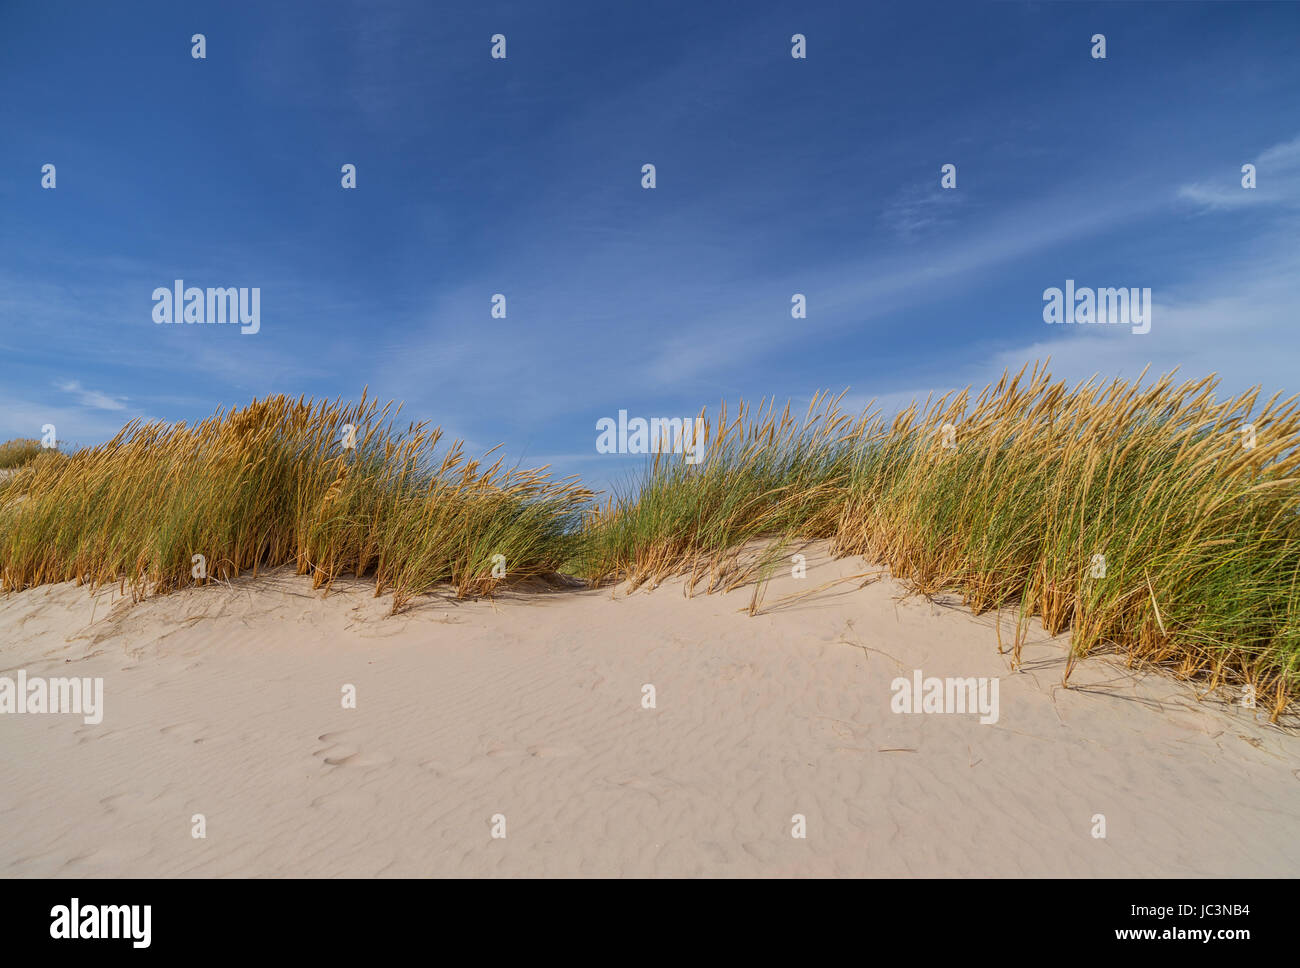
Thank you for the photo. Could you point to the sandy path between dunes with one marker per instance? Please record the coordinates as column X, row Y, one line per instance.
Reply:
column 225, row 701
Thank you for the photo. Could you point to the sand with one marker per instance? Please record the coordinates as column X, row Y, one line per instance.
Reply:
column 225, row 701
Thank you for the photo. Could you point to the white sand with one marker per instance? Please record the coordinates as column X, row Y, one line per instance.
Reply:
column 225, row 701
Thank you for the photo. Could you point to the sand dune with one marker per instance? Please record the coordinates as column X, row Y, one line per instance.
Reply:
column 225, row 701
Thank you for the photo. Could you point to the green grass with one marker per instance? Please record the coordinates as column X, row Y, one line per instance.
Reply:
column 271, row 485
column 1200, row 536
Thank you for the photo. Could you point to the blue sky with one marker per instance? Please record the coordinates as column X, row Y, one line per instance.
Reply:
column 522, row 176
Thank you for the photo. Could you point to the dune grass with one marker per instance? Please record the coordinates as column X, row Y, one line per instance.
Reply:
column 1133, row 514
column 766, row 478
column 1151, row 519
column 15, row 453
column 273, row 484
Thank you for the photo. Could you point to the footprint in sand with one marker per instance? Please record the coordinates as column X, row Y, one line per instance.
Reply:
column 190, row 730
column 342, row 752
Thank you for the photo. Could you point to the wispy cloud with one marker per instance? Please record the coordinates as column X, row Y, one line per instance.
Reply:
column 921, row 210
column 1277, row 183
column 76, row 425
column 1235, row 323
column 92, row 398
column 852, row 293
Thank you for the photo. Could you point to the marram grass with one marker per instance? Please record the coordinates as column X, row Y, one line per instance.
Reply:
column 1154, row 520
column 1151, row 519
column 272, row 484
column 15, row 453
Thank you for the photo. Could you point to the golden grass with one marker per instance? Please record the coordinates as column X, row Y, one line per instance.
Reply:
column 1200, row 534
column 15, row 453
column 271, row 484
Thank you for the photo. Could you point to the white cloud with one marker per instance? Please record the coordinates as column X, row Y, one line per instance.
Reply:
column 1238, row 325
column 918, row 210
column 1277, row 182
column 92, row 398
column 75, row 426
column 1282, row 157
